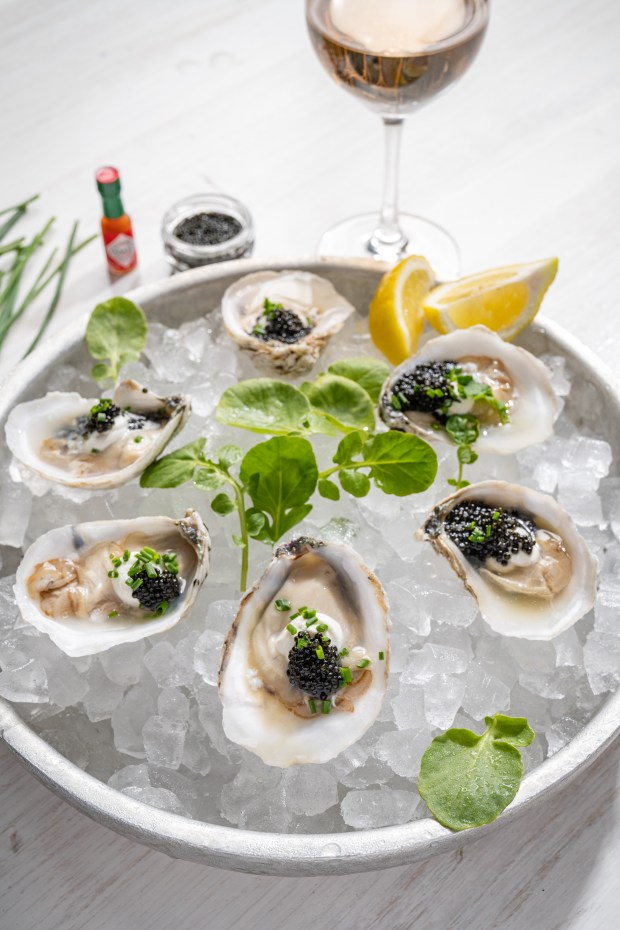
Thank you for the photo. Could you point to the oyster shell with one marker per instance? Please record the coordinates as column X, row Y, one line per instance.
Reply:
column 63, row 585
column 515, row 377
column 313, row 312
column 52, row 436
column 263, row 710
column 535, row 592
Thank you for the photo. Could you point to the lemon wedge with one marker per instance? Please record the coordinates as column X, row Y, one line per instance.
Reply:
column 504, row 299
column 396, row 318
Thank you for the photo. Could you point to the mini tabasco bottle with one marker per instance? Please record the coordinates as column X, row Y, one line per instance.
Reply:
column 120, row 248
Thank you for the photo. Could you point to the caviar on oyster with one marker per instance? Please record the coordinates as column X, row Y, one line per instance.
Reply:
column 284, row 319
column 472, row 371
column 95, row 585
column 94, row 443
column 519, row 554
column 305, row 663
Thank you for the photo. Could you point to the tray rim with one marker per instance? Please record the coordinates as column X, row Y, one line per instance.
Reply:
column 272, row 853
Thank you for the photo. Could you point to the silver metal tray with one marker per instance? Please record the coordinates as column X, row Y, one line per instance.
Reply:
column 186, row 297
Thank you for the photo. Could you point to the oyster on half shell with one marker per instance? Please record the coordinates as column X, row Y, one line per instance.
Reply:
column 94, row 443
column 422, row 391
column 520, row 555
column 284, row 319
column 90, row 587
column 301, row 684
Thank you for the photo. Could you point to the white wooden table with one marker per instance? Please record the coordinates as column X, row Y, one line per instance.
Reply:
column 520, row 161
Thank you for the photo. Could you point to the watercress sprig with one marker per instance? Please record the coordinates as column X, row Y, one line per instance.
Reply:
column 463, row 429
column 467, row 779
column 116, row 331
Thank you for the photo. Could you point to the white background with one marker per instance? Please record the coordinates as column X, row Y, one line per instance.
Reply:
column 519, row 161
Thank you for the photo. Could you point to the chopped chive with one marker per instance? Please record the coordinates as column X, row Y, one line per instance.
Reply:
column 301, row 609
column 94, row 451
column 308, row 613
column 302, row 643
column 345, row 674
column 495, row 515
column 326, row 707
column 344, row 652
column 136, row 584
column 113, row 613
column 135, row 568
column 116, row 562
column 363, row 663
column 137, row 438
column 113, row 574
column 312, row 706
column 319, row 653
column 292, row 629
column 295, row 615
column 381, row 656
column 151, row 571
column 148, row 550
column 312, row 621
column 126, row 555
column 322, row 627
column 281, row 604
column 395, row 402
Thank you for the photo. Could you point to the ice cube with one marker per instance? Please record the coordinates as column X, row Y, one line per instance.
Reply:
column 403, row 750
column 26, row 684
column 582, row 504
column 432, row 660
column 557, row 368
column 560, row 733
column 601, row 656
column 195, row 755
column 266, row 811
column 67, row 744
column 546, row 475
column 163, row 741
column 409, row 708
column 15, row 508
column 130, row 776
column 568, row 651
column 378, row 807
column 403, row 596
column 157, row 797
column 220, row 615
column 309, row 789
column 103, row 695
column 443, row 695
column 129, row 718
column 207, row 654
column 168, row 665
column 124, row 664
column 173, row 705
column 607, row 606
column 485, row 694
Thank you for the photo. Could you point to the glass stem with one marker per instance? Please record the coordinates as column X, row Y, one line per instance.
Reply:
column 388, row 239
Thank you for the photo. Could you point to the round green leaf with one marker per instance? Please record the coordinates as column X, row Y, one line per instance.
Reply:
column 223, row 504
column 329, row 489
column 116, row 331
column 354, row 482
column 369, row 373
column 263, row 405
column 344, row 402
column 400, row 463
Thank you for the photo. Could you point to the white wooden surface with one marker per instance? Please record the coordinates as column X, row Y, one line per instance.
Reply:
column 519, row 161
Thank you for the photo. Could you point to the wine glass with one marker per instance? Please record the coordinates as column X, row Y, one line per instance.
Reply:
column 395, row 56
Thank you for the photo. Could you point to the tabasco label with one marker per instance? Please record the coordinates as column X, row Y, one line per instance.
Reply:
column 121, row 251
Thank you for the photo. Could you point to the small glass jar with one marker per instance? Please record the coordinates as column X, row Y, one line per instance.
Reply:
column 183, row 255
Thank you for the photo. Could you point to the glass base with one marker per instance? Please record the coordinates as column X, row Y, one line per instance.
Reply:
column 353, row 237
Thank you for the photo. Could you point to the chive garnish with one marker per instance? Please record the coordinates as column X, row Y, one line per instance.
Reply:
column 126, row 555
column 137, row 438
column 282, row 604
column 326, row 707
column 322, row 627
column 381, row 656
column 113, row 574
column 344, row 652
column 312, row 621
column 302, row 643
column 312, row 706
column 319, row 653
column 113, row 613
column 345, row 673
column 292, row 629
column 363, row 663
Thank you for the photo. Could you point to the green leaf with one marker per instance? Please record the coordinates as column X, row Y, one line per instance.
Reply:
column 227, row 456
column 343, row 402
column 263, row 405
column 467, row 780
column 256, row 522
column 223, row 505
column 116, row 331
column 329, row 489
column 466, row 455
column 280, row 475
column 355, row 483
column 369, row 373
column 400, row 463
column 348, row 448
column 209, row 478
column 463, row 429
column 239, row 541
column 101, row 371
column 175, row 468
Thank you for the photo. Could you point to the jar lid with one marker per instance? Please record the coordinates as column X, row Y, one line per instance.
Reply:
column 206, row 228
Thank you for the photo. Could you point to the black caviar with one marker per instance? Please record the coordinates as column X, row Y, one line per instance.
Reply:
column 427, row 388
column 154, row 591
column 484, row 532
column 315, row 676
column 281, row 325
column 101, row 418
column 207, row 228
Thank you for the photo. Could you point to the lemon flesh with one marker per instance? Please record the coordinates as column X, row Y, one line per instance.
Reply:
column 395, row 317
column 505, row 300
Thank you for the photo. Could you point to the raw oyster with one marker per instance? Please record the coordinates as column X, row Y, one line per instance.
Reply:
column 289, row 693
column 520, row 555
column 88, row 589
column 432, row 385
column 94, row 443
column 284, row 319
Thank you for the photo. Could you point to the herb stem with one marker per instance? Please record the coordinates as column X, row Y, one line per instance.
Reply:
column 243, row 529
column 62, row 272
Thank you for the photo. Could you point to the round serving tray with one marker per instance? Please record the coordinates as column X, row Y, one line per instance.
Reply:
column 185, row 297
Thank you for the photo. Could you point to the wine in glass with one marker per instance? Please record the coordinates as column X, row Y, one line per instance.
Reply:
column 395, row 56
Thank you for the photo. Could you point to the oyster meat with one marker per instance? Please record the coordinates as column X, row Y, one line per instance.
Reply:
column 284, row 319
column 95, row 585
column 94, row 443
column 305, row 663
column 520, row 555
column 472, row 371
